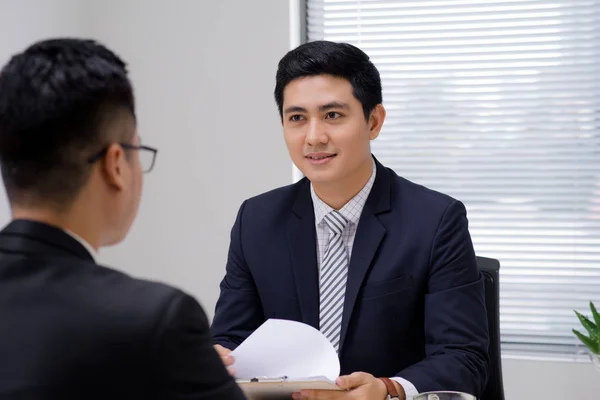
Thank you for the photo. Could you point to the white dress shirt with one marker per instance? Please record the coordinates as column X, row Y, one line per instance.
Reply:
column 352, row 212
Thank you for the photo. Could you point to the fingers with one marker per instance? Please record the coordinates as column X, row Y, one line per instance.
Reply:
column 354, row 386
column 227, row 359
column 225, row 355
column 222, row 350
column 353, row 380
column 319, row 395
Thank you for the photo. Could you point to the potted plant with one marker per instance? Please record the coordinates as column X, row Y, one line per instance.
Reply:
column 592, row 342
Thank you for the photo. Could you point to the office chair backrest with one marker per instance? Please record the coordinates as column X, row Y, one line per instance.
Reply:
column 490, row 268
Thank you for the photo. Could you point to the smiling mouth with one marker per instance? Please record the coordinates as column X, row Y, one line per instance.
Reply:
column 321, row 157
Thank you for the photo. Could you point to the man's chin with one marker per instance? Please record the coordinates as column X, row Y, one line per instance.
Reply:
column 321, row 177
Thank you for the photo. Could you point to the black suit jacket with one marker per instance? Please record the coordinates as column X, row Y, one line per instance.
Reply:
column 414, row 304
column 71, row 329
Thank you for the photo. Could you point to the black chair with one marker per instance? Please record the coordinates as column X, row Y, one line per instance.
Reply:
column 490, row 268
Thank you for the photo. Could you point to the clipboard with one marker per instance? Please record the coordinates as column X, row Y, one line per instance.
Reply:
column 282, row 388
column 283, row 357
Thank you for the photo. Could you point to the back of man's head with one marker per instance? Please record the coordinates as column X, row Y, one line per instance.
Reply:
column 56, row 97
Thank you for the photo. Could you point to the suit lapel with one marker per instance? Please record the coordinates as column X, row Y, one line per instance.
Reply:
column 302, row 241
column 301, row 236
column 369, row 235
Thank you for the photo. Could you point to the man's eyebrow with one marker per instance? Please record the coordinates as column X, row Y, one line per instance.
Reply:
column 324, row 107
column 333, row 104
column 293, row 109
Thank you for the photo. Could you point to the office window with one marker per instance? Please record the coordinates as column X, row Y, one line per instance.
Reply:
column 497, row 103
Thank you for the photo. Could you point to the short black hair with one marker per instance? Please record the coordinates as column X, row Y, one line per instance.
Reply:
column 341, row 60
column 55, row 99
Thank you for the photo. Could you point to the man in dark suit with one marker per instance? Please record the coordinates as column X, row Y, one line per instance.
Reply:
column 385, row 268
column 72, row 167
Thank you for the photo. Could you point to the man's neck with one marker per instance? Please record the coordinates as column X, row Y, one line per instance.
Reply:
column 337, row 195
column 66, row 221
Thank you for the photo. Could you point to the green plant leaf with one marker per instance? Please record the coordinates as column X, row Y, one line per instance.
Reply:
column 587, row 324
column 594, row 336
column 595, row 315
column 589, row 343
column 597, row 319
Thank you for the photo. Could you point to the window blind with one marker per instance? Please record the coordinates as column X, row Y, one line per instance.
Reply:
column 497, row 103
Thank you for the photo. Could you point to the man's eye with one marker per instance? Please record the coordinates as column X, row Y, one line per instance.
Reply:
column 333, row 115
column 295, row 118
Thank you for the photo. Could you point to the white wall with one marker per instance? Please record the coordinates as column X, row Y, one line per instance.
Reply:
column 552, row 380
column 26, row 21
column 204, row 75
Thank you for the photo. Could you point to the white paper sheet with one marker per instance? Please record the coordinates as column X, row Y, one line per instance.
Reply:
column 281, row 348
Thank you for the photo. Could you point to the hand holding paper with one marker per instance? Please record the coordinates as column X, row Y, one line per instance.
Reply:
column 281, row 348
column 356, row 386
column 284, row 358
column 226, row 357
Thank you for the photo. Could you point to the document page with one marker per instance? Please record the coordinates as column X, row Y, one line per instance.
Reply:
column 290, row 349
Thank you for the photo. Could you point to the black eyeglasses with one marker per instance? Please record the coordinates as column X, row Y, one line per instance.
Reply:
column 147, row 155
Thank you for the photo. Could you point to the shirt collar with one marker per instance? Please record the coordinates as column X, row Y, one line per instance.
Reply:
column 352, row 209
column 84, row 243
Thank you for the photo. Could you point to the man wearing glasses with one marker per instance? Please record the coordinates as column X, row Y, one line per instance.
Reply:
column 72, row 167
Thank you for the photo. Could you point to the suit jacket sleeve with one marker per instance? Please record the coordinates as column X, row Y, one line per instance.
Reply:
column 456, row 333
column 186, row 365
column 238, row 311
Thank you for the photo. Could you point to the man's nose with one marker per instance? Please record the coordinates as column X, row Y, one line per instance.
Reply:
column 317, row 134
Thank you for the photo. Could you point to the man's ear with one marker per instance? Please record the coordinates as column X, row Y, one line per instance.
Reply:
column 113, row 166
column 376, row 121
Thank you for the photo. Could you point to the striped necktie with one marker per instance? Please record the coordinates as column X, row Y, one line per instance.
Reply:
column 334, row 271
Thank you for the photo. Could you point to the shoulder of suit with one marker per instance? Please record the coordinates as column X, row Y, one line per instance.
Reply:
column 133, row 295
column 280, row 195
column 406, row 188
